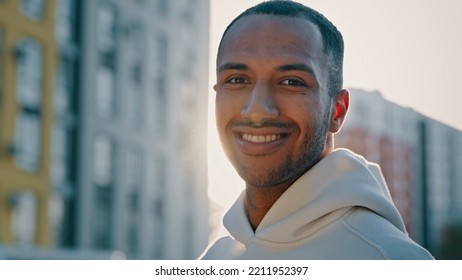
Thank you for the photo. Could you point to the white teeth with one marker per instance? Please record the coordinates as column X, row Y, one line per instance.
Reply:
column 261, row 138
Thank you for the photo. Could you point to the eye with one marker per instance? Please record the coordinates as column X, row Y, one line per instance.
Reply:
column 237, row 80
column 293, row 82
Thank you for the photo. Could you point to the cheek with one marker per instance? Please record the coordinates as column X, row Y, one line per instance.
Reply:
column 300, row 110
column 307, row 115
column 224, row 111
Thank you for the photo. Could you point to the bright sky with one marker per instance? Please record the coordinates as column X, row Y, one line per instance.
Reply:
column 411, row 51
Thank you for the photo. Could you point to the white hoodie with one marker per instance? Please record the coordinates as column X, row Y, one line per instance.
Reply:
column 340, row 209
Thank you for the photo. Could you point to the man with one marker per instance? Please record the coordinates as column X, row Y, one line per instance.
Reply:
column 279, row 101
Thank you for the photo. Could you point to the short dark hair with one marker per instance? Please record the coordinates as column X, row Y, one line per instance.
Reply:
column 332, row 39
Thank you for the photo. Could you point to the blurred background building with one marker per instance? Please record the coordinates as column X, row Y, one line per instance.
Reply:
column 103, row 116
column 421, row 160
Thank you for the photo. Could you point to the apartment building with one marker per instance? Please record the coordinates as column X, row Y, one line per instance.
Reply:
column 107, row 156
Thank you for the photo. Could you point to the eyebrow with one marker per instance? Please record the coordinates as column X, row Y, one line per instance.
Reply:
column 233, row 66
column 296, row 67
column 287, row 67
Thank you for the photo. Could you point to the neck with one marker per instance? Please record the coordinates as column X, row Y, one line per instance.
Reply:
column 259, row 200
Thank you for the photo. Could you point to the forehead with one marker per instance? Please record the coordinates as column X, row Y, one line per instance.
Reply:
column 269, row 34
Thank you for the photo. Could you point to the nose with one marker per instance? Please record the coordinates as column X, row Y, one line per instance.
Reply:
column 260, row 104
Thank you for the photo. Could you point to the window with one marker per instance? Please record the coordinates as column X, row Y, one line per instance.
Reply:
column 135, row 102
column 134, row 183
column 33, row 9
column 24, row 220
column 65, row 21
column 156, row 184
column 64, row 82
column 103, row 159
column 29, row 94
column 27, row 141
column 103, row 152
column 60, row 155
column 56, row 212
column 105, row 79
column 106, row 28
column 105, row 96
column 157, row 96
column 63, row 191
column 29, row 55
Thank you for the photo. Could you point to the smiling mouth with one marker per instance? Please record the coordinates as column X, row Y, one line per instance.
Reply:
column 261, row 138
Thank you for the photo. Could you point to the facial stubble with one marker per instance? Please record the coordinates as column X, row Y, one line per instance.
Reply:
column 293, row 167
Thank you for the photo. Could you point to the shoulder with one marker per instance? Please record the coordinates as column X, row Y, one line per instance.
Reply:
column 383, row 236
column 222, row 249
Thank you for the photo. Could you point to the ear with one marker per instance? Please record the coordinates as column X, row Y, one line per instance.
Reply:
column 340, row 102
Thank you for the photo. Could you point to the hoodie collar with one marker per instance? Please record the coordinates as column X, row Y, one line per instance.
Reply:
column 340, row 180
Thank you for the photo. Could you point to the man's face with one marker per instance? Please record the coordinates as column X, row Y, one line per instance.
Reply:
column 272, row 106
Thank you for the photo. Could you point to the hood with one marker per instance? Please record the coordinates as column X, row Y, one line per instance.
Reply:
column 339, row 181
